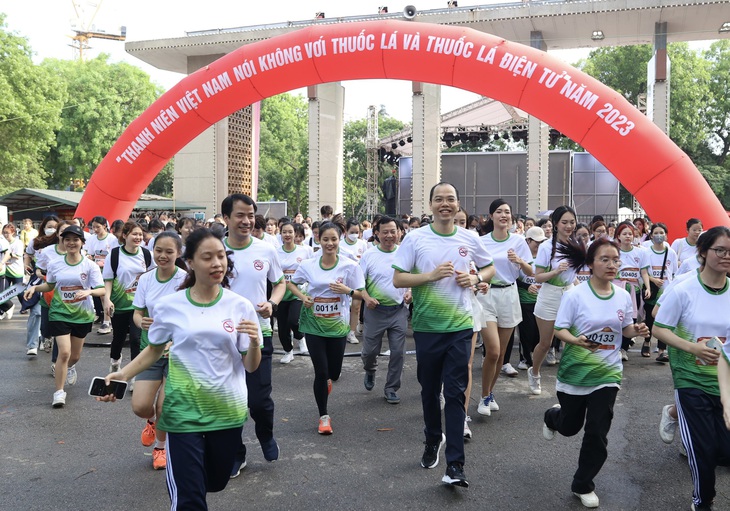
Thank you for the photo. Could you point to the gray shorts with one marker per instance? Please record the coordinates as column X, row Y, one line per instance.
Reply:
column 155, row 372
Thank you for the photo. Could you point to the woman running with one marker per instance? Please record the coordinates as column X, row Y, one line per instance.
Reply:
column 528, row 288
column 591, row 320
column 333, row 281
column 149, row 393
column 662, row 268
column 556, row 276
column 75, row 280
column 291, row 255
column 122, row 271
column 98, row 248
column 693, row 322
column 686, row 247
column 14, row 268
column 501, row 311
column 356, row 247
column 48, row 237
column 632, row 276
column 215, row 338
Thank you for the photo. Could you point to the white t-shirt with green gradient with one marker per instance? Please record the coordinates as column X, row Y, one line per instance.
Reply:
column 506, row 271
column 289, row 262
column 124, row 285
column 441, row 306
column 330, row 314
column 66, row 279
column 601, row 319
column 546, row 263
column 151, row 290
column 206, row 381
column 377, row 267
column 694, row 312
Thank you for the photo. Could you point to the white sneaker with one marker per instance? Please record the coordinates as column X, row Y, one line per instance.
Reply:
column 359, row 328
column 288, row 357
column 467, row 430
column 534, row 382
column 667, row 426
column 588, row 499
column 624, row 355
column 508, row 370
column 351, row 338
column 493, row 403
column 523, row 365
column 550, row 359
column 71, row 375
column 104, row 329
column 303, row 350
column 32, row 351
column 114, row 365
column 484, row 407
column 547, row 433
column 9, row 312
column 59, row 399
column 386, row 353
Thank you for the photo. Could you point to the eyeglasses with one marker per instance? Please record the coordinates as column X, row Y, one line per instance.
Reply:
column 608, row 260
column 720, row 251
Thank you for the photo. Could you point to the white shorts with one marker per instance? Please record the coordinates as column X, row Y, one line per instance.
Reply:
column 548, row 301
column 476, row 313
column 501, row 305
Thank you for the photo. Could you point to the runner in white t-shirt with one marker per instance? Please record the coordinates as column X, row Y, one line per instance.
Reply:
column 149, row 395
column 332, row 282
column 501, row 311
column 98, row 248
column 662, row 268
column 290, row 255
column 686, row 247
column 215, row 343
column 75, row 280
column 591, row 321
column 254, row 265
column 352, row 244
column 693, row 321
column 553, row 271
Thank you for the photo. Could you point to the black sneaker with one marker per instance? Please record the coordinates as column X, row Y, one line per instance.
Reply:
column 455, row 475
column 369, row 381
column 270, row 450
column 430, row 456
column 240, row 462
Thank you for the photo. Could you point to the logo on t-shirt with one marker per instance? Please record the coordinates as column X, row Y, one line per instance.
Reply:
column 259, row 265
column 620, row 315
column 340, row 280
column 463, row 251
column 299, row 259
column 83, row 276
column 228, row 326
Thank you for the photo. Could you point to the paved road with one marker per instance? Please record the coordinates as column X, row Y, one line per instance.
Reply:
column 87, row 456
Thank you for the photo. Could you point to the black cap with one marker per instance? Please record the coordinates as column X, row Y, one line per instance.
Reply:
column 73, row 229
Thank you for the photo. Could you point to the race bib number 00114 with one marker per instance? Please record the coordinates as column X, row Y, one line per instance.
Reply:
column 327, row 307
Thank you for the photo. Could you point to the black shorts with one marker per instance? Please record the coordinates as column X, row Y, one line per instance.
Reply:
column 78, row 330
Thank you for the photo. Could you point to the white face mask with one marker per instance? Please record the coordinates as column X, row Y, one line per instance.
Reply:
column 49, row 232
column 352, row 237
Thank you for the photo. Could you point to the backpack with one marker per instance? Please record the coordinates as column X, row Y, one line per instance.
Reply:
column 114, row 259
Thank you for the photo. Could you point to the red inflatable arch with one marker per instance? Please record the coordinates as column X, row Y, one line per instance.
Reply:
column 638, row 153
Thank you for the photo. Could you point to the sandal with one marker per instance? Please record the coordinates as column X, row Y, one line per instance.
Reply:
column 646, row 350
column 662, row 358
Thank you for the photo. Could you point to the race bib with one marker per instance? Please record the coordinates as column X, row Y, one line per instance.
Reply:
column 656, row 272
column 583, row 276
column 630, row 275
column 133, row 288
column 327, row 308
column 68, row 294
column 605, row 337
column 100, row 257
column 288, row 274
column 712, row 342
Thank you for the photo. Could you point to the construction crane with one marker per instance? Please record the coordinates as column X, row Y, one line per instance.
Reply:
column 371, row 176
column 85, row 30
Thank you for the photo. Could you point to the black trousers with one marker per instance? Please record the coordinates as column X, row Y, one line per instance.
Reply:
column 198, row 463
column 326, row 354
column 529, row 334
column 650, row 323
column 259, row 387
column 287, row 315
column 444, row 358
column 123, row 324
column 595, row 411
column 706, row 439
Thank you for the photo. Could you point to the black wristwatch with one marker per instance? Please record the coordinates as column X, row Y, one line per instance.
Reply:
column 274, row 305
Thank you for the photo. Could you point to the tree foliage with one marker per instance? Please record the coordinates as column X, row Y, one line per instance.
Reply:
column 103, row 99
column 284, row 151
column 31, row 99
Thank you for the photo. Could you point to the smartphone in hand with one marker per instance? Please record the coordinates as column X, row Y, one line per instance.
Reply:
column 99, row 388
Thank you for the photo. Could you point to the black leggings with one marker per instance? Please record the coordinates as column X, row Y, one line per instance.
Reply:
column 648, row 307
column 122, row 324
column 626, row 341
column 287, row 315
column 326, row 354
column 529, row 334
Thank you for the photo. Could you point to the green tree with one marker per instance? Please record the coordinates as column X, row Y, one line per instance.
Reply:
column 717, row 115
column 355, row 160
column 284, row 150
column 103, row 100
column 31, row 99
